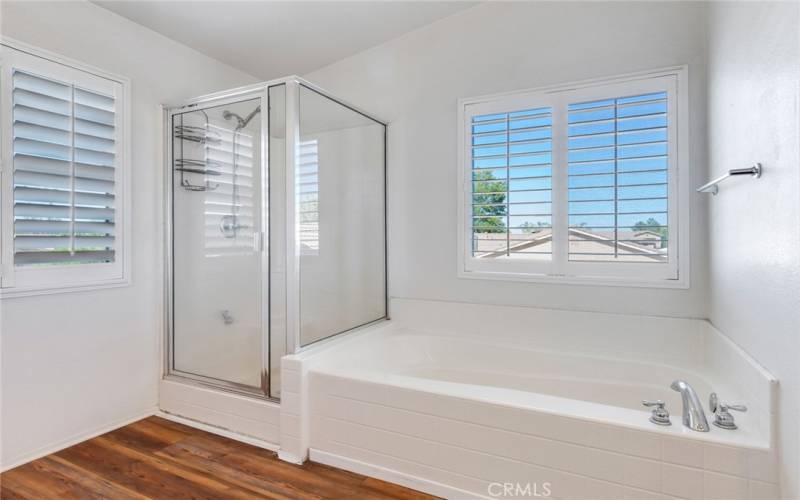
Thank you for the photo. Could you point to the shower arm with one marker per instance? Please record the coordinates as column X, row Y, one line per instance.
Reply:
column 241, row 123
column 251, row 115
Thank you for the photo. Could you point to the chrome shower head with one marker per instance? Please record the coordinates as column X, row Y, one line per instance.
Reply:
column 229, row 115
column 241, row 122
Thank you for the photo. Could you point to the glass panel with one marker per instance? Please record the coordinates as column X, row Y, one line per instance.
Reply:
column 340, row 211
column 217, row 258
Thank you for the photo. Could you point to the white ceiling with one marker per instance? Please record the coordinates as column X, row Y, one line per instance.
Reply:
column 270, row 39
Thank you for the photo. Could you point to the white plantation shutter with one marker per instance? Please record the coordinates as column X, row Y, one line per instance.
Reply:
column 63, row 175
column 64, row 160
column 618, row 189
column 512, row 184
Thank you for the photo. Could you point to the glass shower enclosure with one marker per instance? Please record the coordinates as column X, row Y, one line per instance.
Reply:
column 276, row 230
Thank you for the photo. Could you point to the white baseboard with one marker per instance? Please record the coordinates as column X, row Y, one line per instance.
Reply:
column 392, row 476
column 220, row 431
column 75, row 439
column 290, row 457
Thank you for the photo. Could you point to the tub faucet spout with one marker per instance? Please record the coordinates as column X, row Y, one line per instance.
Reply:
column 693, row 415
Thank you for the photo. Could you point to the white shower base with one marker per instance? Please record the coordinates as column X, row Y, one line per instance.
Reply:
column 467, row 408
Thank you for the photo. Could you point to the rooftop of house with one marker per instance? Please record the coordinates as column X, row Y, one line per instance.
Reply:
column 638, row 246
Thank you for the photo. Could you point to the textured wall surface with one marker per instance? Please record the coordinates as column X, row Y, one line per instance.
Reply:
column 754, row 74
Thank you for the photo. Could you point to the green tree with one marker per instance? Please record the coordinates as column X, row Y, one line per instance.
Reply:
column 530, row 227
column 653, row 226
column 488, row 203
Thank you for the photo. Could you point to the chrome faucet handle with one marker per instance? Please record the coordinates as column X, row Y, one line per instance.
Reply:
column 726, row 407
column 660, row 415
column 722, row 416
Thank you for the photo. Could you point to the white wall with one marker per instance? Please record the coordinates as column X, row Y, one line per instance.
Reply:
column 414, row 83
column 74, row 364
column 754, row 79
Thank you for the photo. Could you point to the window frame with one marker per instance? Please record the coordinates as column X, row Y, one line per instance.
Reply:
column 559, row 270
column 20, row 281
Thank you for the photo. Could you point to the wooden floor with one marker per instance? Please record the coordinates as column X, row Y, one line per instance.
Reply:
column 158, row 458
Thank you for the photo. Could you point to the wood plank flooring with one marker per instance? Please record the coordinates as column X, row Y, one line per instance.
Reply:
column 156, row 458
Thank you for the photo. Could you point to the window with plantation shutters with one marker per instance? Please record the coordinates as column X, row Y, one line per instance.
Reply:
column 576, row 183
column 62, row 173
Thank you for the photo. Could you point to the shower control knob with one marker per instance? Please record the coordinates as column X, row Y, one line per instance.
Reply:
column 228, row 225
column 660, row 415
column 226, row 317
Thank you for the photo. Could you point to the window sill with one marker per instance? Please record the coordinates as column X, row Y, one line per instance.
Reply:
column 575, row 280
column 13, row 293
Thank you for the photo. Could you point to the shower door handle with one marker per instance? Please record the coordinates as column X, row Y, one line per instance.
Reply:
column 258, row 241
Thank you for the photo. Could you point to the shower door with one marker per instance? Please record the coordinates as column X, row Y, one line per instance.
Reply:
column 219, row 293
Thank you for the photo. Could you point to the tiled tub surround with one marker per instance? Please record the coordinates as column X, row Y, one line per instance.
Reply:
column 449, row 398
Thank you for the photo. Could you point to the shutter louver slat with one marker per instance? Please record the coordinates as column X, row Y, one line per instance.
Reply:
column 59, row 243
column 94, row 115
column 46, row 181
column 40, row 164
column 93, row 100
column 41, row 86
column 41, row 117
column 51, row 196
column 95, row 144
column 94, row 129
column 41, row 148
column 617, row 179
column 46, row 212
column 43, row 102
column 39, row 133
column 64, row 158
column 90, row 157
column 95, row 172
column 60, row 257
column 32, row 227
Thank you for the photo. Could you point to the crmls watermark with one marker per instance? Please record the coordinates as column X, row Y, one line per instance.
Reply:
column 520, row 490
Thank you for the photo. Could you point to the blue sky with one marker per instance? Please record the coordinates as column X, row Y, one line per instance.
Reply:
column 638, row 146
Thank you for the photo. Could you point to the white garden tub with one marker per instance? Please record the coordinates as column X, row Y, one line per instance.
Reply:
column 474, row 415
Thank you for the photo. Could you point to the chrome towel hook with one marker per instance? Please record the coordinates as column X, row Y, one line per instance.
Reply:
column 713, row 188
